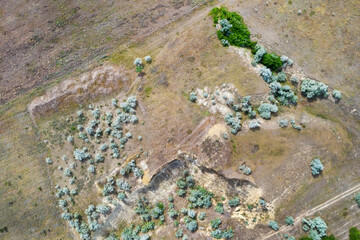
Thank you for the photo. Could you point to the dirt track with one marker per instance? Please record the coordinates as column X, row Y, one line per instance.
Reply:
column 322, row 206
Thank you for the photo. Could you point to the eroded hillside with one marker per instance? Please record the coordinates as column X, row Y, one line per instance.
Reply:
column 202, row 142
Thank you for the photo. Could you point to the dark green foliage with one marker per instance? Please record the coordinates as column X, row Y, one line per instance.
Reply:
column 272, row 61
column 239, row 35
column 354, row 234
column 139, row 69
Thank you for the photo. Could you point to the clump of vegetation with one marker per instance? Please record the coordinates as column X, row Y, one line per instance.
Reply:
column 312, row 89
column 48, row 160
column 219, row 208
column 219, row 234
column 283, row 123
column 283, row 94
column 357, row 199
column 266, row 74
column 234, row 122
column 274, row 225
column 193, row 97
column 286, row 61
column 202, row 216
column 294, row 80
column 200, row 198
column 247, row 108
column 179, row 233
column 316, row 167
column 354, row 233
column 316, row 228
column 139, row 65
column 191, row 224
column 266, row 109
column 337, row 95
column 246, row 170
column 294, row 125
column 215, row 223
column 234, row 202
column 260, row 52
column 148, row 59
column 254, row 124
column 272, row 61
column 289, row 221
column 238, row 34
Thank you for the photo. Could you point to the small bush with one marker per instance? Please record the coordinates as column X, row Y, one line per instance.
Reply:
column 316, row 227
column 234, row 202
column 336, row 94
column 283, row 123
column 266, row 109
column 259, row 53
column 357, row 199
column 179, row 233
column 316, row 167
column 193, row 97
column 289, row 221
column 245, row 170
column 48, row 161
column 266, row 74
column 138, row 62
column 215, row 223
column 312, row 89
column 254, row 124
column 273, row 225
column 148, row 59
column 202, row 216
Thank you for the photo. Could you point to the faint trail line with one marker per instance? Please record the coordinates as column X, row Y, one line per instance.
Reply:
column 315, row 209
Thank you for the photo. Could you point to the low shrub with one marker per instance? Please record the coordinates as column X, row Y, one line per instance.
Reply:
column 148, row 59
column 357, row 199
column 266, row 109
column 219, row 208
column 283, row 123
column 316, row 228
column 316, row 167
column 193, row 97
column 312, row 89
column 289, row 221
column 215, row 223
column 273, row 225
column 336, row 94
column 245, row 170
column 234, row 202
column 254, row 124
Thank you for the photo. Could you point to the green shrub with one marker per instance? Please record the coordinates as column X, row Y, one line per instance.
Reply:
column 234, row 202
column 272, row 61
column 289, row 221
column 215, row 223
column 239, row 35
column 274, row 225
column 357, row 199
column 354, row 234
column 219, row 208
